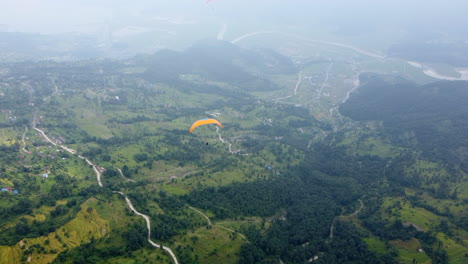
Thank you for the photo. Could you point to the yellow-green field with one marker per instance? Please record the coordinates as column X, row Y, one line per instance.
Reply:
column 457, row 253
column 213, row 245
column 410, row 214
column 87, row 224
column 409, row 250
column 376, row 245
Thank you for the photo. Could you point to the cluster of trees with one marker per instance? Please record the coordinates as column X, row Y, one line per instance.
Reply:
column 175, row 220
column 348, row 247
column 134, row 239
column 130, row 120
column 373, row 220
column 25, row 229
column 310, row 200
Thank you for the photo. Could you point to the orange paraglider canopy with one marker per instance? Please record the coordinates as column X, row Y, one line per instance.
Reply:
column 204, row 122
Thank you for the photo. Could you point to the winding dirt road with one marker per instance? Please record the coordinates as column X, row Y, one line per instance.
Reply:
column 299, row 80
column 148, row 226
column 98, row 176
column 359, row 209
column 224, row 142
column 202, row 214
column 73, row 152
column 123, row 176
column 129, row 203
column 332, row 227
column 23, row 141
column 324, row 83
column 220, row 226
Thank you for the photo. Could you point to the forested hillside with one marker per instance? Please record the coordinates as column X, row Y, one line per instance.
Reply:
column 98, row 166
column 435, row 114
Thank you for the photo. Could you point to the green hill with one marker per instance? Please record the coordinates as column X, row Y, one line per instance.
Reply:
column 436, row 114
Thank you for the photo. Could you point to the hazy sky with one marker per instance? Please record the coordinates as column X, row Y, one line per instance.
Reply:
column 50, row 16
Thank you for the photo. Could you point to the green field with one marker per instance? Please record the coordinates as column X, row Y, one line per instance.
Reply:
column 410, row 250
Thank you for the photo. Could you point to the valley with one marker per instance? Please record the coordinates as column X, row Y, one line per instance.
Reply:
column 309, row 158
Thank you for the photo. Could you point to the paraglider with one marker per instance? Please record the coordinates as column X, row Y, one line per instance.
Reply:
column 204, row 122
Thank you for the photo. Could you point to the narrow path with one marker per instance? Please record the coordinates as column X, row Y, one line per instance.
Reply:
column 299, row 80
column 230, row 230
column 359, row 209
column 333, row 112
column 202, row 214
column 325, row 82
column 123, row 176
column 54, row 93
column 148, row 226
column 23, row 141
column 220, row 226
column 224, row 142
column 332, row 227
column 317, row 137
column 356, row 84
column 219, row 136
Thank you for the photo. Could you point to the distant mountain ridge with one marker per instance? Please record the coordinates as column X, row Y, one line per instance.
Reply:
column 219, row 61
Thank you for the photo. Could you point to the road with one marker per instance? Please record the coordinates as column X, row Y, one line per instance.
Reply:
column 73, row 152
column 324, row 83
column 359, row 209
column 299, row 80
column 23, row 141
column 202, row 214
column 54, row 93
column 148, row 226
column 220, row 226
column 123, row 176
column 332, row 227
column 44, row 135
column 224, row 142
